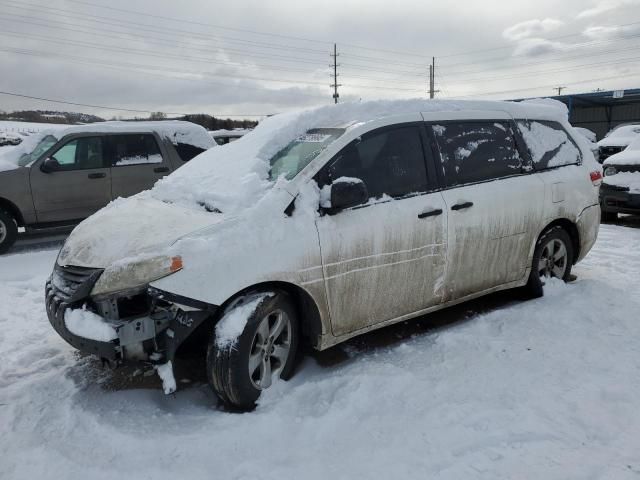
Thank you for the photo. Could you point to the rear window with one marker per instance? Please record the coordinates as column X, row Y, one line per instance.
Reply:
column 476, row 151
column 549, row 144
column 186, row 152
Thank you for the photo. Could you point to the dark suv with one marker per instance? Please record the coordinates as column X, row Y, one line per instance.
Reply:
column 65, row 175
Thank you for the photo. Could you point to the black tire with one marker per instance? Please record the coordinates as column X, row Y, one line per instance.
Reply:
column 8, row 231
column 608, row 216
column 534, row 287
column 228, row 365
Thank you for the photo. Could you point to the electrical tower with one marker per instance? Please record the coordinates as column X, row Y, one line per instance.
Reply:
column 335, row 66
column 560, row 90
column 432, row 78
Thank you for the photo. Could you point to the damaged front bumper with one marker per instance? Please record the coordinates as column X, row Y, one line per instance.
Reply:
column 150, row 324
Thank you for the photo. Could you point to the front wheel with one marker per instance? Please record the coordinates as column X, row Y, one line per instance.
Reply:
column 239, row 368
column 608, row 216
column 8, row 231
column 553, row 257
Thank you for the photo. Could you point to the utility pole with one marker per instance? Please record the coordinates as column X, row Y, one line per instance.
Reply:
column 432, row 78
column 335, row 83
column 560, row 90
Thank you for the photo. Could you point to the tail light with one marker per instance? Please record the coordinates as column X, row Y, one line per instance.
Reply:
column 596, row 177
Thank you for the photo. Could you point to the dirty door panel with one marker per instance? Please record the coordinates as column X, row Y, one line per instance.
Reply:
column 494, row 204
column 387, row 258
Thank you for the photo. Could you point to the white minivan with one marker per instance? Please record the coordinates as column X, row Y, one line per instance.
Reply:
column 321, row 225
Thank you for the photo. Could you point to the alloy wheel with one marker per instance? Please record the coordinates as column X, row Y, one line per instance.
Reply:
column 270, row 349
column 553, row 259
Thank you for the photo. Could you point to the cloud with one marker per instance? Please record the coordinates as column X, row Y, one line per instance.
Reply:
column 603, row 32
column 532, row 27
column 533, row 47
column 606, row 6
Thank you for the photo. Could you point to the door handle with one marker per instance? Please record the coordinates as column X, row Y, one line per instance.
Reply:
column 93, row 176
column 462, row 206
column 161, row 169
column 430, row 213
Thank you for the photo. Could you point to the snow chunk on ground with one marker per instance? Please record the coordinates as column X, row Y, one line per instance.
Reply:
column 165, row 372
column 631, row 180
column 232, row 324
column 86, row 324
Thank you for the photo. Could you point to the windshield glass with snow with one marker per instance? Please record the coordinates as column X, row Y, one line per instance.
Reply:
column 43, row 145
column 298, row 154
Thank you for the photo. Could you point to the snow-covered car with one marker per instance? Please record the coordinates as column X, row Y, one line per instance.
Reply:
column 620, row 189
column 324, row 224
column 617, row 140
column 8, row 138
column 56, row 178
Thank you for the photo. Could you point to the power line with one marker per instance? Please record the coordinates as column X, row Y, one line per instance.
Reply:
column 65, row 102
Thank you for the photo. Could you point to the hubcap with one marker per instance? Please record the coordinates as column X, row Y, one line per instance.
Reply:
column 269, row 349
column 3, row 231
column 553, row 260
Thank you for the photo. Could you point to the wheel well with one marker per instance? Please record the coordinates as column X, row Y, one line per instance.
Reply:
column 13, row 210
column 308, row 312
column 572, row 230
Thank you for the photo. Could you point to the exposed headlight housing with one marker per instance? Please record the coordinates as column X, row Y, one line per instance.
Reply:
column 610, row 171
column 135, row 274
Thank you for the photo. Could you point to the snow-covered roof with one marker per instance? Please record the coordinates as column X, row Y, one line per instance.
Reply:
column 236, row 176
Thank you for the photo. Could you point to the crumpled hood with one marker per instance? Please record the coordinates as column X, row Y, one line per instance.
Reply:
column 128, row 228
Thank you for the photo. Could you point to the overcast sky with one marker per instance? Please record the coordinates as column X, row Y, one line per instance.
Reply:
column 255, row 57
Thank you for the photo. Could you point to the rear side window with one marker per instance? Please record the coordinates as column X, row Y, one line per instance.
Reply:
column 186, row 152
column 476, row 151
column 134, row 149
column 389, row 162
column 549, row 144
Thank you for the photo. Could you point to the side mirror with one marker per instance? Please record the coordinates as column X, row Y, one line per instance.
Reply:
column 49, row 165
column 346, row 192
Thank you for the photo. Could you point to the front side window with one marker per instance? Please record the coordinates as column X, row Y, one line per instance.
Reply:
column 476, row 151
column 389, row 162
column 290, row 161
column 134, row 149
column 186, row 151
column 80, row 154
column 549, row 144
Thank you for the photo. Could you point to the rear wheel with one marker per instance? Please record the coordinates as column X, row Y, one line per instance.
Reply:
column 240, row 370
column 553, row 257
column 8, row 231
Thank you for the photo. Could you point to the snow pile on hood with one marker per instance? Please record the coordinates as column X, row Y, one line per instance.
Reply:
column 235, row 177
column 621, row 136
column 129, row 226
column 630, row 180
column 629, row 156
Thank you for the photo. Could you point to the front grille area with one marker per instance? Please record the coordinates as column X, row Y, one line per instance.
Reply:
column 69, row 287
column 606, row 152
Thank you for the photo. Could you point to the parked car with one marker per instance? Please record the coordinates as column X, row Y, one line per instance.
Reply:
column 592, row 139
column 617, row 140
column 222, row 137
column 620, row 189
column 65, row 175
column 322, row 226
column 8, row 138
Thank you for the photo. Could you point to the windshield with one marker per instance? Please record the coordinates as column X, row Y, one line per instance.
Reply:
column 43, row 145
column 298, row 154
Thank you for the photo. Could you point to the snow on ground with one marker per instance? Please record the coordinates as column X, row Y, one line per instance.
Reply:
column 546, row 388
